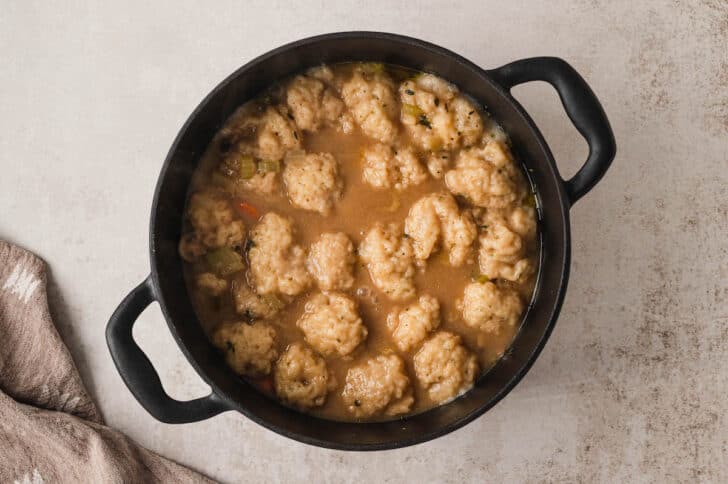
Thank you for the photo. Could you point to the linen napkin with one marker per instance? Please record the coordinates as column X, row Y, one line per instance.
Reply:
column 50, row 429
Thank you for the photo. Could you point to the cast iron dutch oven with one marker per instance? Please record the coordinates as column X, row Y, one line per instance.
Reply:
column 491, row 88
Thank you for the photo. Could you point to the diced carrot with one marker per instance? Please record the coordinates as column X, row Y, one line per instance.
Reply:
column 249, row 210
column 265, row 384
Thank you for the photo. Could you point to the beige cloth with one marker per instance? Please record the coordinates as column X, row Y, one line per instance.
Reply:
column 50, row 429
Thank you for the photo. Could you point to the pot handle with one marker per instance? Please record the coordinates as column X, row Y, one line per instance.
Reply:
column 582, row 107
column 137, row 371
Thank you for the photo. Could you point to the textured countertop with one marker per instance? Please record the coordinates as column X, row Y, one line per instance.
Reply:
column 632, row 385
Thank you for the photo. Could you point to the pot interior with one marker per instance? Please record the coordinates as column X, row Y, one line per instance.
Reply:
column 244, row 84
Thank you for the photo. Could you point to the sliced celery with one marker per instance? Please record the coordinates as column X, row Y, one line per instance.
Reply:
column 373, row 67
column 412, row 110
column 247, row 167
column 225, row 261
column 268, row 166
column 479, row 278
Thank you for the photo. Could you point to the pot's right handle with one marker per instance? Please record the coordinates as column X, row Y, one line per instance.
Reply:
column 137, row 371
column 583, row 109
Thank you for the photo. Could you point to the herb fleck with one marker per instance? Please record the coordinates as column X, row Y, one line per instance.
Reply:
column 422, row 119
column 409, row 92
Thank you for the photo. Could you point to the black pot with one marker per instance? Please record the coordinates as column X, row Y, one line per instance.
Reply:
column 490, row 88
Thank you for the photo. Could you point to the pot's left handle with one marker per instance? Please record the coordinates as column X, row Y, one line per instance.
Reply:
column 137, row 371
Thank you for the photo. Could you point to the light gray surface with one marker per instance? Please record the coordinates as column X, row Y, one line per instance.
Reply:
column 632, row 384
